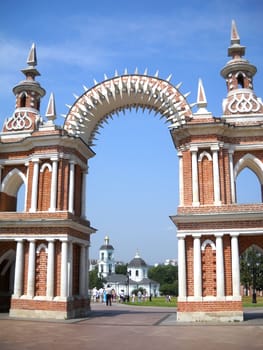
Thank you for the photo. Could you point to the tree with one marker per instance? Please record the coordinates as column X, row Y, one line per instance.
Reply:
column 167, row 276
column 95, row 280
column 121, row 269
column 251, row 270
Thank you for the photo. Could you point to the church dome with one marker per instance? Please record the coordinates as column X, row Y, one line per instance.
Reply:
column 106, row 245
column 137, row 262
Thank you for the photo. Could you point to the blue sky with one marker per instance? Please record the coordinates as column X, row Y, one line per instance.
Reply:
column 132, row 182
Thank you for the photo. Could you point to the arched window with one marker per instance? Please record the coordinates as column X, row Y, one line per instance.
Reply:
column 13, row 191
column 240, row 81
column 248, row 187
column 23, row 100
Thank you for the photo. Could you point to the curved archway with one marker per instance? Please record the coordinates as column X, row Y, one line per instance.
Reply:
column 99, row 103
column 251, row 162
column 12, row 182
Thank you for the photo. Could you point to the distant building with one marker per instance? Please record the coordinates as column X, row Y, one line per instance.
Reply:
column 106, row 262
column 137, row 277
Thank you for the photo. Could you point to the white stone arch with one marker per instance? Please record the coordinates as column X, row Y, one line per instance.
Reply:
column 42, row 246
column 44, row 166
column 253, row 163
column 12, row 182
column 116, row 94
column 206, row 243
column 204, row 154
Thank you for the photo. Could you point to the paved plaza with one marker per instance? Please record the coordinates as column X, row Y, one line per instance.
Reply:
column 123, row 327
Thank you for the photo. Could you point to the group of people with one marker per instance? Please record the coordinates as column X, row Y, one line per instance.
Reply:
column 104, row 295
column 108, row 295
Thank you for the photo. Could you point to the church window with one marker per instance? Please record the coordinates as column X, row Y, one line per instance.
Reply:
column 136, row 273
column 23, row 100
column 240, row 81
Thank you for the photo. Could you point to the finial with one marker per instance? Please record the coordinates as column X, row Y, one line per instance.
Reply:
column 235, row 50
column 201, row 102
column 235, row 39
column 32, row 56
column 51, row 109
column 201, row 97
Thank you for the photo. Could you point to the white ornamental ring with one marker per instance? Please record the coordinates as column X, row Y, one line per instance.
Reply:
column 113, row 95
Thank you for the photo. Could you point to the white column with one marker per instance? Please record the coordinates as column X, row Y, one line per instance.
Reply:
column 83, row 194
column 195, row 183
column 64, row 269
column 26, row 186
column 34, row 192
column 82, row 271
column 181, row 179
column 87, row 271
column 235, row 266
column 19, row 269
column 216, row 179
column 50, row 269
column 31, row 269
column 70, row 268
column 181, row 267
column 220, row 285
column 71, row 186
column 197, row 268
column 232, row 180
column 54, row 185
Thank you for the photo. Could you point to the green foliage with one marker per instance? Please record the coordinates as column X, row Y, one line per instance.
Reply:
column 121, row 269
column 167, row 276
column 94, row 280
column 169, row 288
column 251, row 269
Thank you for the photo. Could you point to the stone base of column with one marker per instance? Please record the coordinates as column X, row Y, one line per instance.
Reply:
column 210, row 311
column 49, row 309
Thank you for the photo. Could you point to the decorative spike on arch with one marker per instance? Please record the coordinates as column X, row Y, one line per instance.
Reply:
column 125, row 92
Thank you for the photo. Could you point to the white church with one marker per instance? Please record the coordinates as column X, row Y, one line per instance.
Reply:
column 137, row 273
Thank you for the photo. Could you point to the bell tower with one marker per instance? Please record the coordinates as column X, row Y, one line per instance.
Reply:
column 239, row 73
column 28, row 92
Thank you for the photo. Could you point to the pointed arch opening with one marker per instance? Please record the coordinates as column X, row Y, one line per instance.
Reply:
column 248, row 174
column 13, row 191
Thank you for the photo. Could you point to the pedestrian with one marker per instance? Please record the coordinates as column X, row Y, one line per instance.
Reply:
column 108, row 295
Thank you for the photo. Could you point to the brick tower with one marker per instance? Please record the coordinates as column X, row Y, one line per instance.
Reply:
column 43, row 248
column 213, row 230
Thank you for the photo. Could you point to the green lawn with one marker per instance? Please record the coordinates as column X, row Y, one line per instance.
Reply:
column 161, row 301
column 247, row 302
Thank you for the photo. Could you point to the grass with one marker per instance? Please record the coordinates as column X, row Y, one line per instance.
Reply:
column 161, row 301
column 158, row 301
column 247, row 302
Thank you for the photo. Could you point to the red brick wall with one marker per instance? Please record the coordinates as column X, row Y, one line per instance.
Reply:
column 44, row 188
column 41, row 272
column 208, row 271
column 63, row 184
column 187, row 175
column 189, row 265
column 206, row 184
column 227, row 264
column 77, row 193
column 76, row 269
